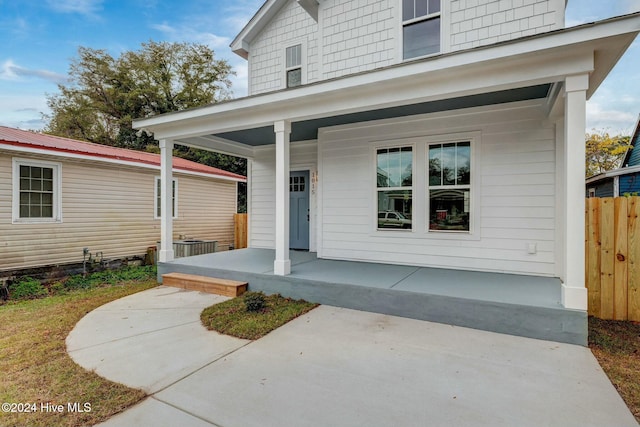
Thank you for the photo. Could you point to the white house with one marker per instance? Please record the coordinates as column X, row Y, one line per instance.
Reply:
column 439, row 133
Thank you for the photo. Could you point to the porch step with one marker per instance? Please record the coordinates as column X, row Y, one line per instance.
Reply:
column 211, row 285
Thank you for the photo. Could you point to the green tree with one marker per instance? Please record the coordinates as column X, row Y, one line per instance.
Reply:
column 604, row 152
column 105, row 94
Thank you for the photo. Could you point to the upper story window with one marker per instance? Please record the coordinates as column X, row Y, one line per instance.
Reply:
column 294, row 65
column 36, row 191
column 420, row 27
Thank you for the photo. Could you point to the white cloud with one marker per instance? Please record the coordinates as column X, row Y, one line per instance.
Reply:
column 11, row 71
column 82, row 7
column 238, row 15
column 610, row 119
column 23, row 111
column 239, row 81
column 190, row 33
column 165, row 28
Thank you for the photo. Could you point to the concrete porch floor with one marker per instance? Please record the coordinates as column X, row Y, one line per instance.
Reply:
column 526, row 306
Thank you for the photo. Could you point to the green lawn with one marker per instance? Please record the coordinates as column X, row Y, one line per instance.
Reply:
column 36, row 370
column 232, row 318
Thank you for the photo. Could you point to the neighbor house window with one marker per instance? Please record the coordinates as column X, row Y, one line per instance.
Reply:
column 420, row 27
column 36, row 191
column 394, row 187
column 159, row 195
column 294, row 65
column 449, row 186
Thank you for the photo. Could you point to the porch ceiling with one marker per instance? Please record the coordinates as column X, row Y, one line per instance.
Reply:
column 308, row 129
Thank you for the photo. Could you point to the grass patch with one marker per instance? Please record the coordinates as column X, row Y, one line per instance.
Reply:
column 232, row 317
column 616, row 345
column 35, row 367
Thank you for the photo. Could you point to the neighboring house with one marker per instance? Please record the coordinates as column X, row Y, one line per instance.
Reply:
column 58, row 196
column 466, row 117
column 622, row 181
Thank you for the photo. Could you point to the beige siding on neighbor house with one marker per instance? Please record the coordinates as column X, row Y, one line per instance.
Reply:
column 110, row 208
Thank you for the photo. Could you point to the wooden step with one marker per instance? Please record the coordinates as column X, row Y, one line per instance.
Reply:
column 211, row 285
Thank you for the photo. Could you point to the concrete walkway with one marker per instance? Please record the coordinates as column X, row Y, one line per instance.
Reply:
column 336, row 367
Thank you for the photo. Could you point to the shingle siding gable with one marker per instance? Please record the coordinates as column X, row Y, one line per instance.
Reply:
column 292, row 25
column 353, row 36
column 476, row 23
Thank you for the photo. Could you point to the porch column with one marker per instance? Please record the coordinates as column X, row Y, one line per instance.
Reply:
column 282, row 263
column 166, row 201
column 574, row 291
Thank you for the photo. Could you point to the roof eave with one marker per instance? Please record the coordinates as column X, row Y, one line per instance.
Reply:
column 242, row 42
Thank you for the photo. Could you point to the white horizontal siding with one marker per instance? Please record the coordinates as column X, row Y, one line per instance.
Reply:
column 263, row 195
column 110, row 209
column 516, row 200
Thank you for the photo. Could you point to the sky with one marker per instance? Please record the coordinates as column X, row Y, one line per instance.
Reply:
column 39, row 38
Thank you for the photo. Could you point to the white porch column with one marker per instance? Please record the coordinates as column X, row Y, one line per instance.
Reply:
column 166, row 201
column 282, row 263
column 574, row 291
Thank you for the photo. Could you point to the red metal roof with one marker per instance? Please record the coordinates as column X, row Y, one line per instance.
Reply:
column 23, row 138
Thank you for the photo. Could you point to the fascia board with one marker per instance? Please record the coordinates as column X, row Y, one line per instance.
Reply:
column 241, row 43
column 623, row 171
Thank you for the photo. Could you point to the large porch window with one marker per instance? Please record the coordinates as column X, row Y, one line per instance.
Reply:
column 395, row 187
column 449, row 186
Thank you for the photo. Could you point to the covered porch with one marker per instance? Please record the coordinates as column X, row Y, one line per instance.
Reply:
column 528, row 306
column 524, row 98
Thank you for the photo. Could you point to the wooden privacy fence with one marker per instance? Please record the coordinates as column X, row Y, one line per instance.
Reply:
column 613, row 257
column 240, row 231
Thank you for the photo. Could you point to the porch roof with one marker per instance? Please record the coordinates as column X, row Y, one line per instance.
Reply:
column 527, row 69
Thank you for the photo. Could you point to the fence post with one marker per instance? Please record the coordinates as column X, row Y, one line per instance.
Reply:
column 593, row 256
column 633, row 225
column 621, row 278
column 240, row 231
column 607, row 257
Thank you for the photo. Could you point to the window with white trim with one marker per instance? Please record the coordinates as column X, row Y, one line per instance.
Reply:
column 36, row 191
column 158, row 197
column 449, row 186
column 293, row 68
column 394, row 171
column 420, row 27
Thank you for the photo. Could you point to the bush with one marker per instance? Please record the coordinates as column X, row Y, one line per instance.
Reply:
column 27, row 288
column 254, row 301
column 110, row 277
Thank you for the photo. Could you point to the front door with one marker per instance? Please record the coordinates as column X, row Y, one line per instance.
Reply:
column 299, row 210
